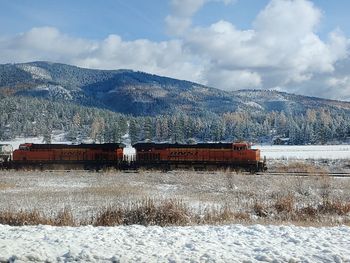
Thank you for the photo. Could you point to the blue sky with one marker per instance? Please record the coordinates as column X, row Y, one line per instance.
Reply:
column 298, row 46
column 134, row 19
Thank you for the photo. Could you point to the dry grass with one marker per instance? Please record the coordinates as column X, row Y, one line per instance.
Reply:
column 285, row 210
column 301, row 167
column 173, row 198
column 4, row 185
column 176, row 213
column 21, row 218
column 146, row 212
column 285, row 204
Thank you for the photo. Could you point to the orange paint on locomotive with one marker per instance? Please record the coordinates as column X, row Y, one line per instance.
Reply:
column 238, row 152
column 65, row 153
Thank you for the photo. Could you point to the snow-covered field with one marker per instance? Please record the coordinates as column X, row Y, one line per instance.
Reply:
column 85, row 193
column 231, row 243
column 305, row 151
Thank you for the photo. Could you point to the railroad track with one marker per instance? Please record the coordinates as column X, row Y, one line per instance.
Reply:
column 338, row 174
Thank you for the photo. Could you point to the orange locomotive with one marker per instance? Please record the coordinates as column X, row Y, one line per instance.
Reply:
column 165, row 156
column 64, row 156
column 199, row 156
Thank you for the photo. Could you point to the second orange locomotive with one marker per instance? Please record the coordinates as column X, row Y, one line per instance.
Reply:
column 199, row 156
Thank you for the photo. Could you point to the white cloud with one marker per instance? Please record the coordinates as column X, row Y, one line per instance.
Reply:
column 44, row 43
column 234, row 79
column 282, row 49
column 177, row 25
column 186, row 8
column 182, row 11
column 339, row 86
column 282, row 40
column 167, row 58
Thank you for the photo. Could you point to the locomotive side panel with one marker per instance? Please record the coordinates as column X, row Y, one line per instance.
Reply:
column 61, row 156
column 210, row 155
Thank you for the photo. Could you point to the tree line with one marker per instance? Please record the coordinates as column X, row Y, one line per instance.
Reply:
column 31, row 117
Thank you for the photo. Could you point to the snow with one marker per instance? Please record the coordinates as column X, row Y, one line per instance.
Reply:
column 55, row 91
column 253, row 104
column 304, row 151
column 230, row 243
column 57, row 137
column 19, row 140
column 129, row 150
column 37, row 72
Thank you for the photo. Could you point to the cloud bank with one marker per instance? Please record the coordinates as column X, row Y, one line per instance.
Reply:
column 280, row 51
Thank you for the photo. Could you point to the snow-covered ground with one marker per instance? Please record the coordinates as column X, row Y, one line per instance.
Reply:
column 305, row 151
column 231, row 243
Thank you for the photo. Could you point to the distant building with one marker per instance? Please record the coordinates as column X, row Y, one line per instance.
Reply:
column 280, row 141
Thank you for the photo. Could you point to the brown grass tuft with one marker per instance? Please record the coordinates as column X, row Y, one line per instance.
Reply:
column 109, row 217
column 301, row 167
column 307, row 213
column 65, row 218
column 260, row 209
column 334, row 207
column 22, row 218
column 146, row 212
column 285, row 204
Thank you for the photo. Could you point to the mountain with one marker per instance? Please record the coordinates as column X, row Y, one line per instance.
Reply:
column 139, row 93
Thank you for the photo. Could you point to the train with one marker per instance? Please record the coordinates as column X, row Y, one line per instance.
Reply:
column 161, row 156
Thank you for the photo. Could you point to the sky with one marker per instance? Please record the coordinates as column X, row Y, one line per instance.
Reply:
column 296, row 46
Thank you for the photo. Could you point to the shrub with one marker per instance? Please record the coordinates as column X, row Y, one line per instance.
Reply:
column 260, row 209
column 334, row 207
column 146, row 212
column 285, row 204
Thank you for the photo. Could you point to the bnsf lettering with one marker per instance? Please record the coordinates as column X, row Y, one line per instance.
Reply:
column 180, row 154
column 65, row 153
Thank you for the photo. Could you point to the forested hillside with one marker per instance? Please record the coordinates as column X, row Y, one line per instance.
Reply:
column 142, row 94
column 28, row 117
column 23, row 116
column 103, row 105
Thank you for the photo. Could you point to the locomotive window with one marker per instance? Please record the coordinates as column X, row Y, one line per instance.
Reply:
column 23, row 147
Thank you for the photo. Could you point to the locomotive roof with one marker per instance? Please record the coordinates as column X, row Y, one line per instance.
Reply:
column 79, row 146
column 145, row 145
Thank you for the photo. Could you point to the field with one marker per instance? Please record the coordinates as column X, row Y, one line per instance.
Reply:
column 205, row 197
column 178, row 216
column 182, row 216
column 326, row 152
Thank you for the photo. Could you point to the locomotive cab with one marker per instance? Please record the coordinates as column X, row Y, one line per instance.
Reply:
column 24, row 146
column 241, row 146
